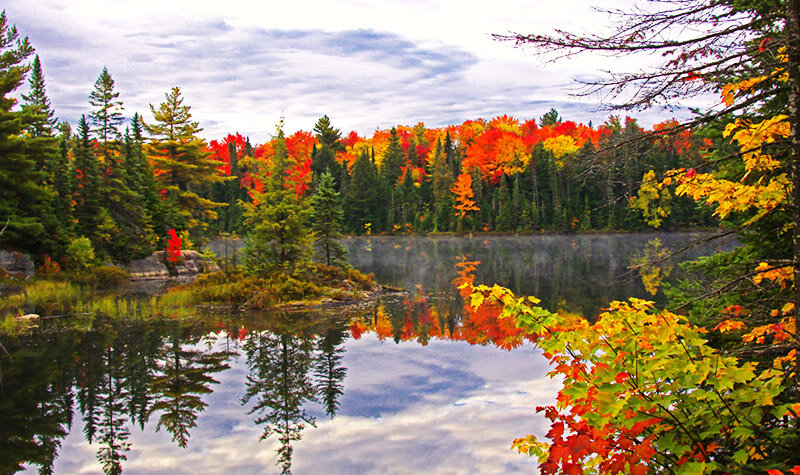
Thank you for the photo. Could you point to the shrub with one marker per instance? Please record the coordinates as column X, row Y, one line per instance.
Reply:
column 81, row 253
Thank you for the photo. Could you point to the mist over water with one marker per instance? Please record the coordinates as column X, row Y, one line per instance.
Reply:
column 409, row 384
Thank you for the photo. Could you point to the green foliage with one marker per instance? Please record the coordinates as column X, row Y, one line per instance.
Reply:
column 327, row 217
column 22, row 196
column 363, row 203
column 644, row 391
column 81, row 253
column 107, row 115
column 183, row 163
column 280, row 239
column 393, row 159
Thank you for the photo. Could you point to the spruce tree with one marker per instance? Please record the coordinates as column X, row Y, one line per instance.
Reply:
column 37, row 102
column 280, row 239
column 87, row 182
column 363, row 202
column 107, row 116
column 393, row 159
column 323, row 158
column 327, row 219
column 43, row 147
column 442, row 174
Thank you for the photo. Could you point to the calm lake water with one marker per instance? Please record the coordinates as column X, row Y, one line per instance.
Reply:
column 410, row 384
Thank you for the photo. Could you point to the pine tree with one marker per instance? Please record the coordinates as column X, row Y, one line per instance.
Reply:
column 280, row 239
column 107, row 116
column 182, row 163
column 21, row 192
column 327, row 218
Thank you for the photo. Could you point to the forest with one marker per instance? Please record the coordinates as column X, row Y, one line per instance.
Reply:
column 124, row 183
column 708, row 384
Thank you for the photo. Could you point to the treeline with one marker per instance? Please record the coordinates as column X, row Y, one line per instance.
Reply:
column 123, row 183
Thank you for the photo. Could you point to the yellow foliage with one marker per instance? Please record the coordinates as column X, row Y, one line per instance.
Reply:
column 651, row 192
column 560, row 146
column 782, row 275
column 751, row 137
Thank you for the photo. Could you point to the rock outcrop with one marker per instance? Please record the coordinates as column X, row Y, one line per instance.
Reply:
column 16, row 263
column 155, row 266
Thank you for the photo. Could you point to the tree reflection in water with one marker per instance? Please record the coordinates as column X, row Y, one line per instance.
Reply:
column 182, row 377
column 296, row 361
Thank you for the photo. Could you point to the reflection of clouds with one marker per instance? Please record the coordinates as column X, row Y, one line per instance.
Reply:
column 471, row 435
column 482, row 399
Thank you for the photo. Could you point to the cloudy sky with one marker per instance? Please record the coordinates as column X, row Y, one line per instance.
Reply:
column 367, row 64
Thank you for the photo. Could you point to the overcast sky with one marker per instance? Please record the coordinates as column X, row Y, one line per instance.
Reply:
column 367, row 64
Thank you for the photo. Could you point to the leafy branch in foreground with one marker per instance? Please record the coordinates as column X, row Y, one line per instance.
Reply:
column 644, row 392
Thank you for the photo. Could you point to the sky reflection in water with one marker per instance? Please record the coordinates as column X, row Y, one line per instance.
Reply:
column 401, row 406
column 448, row 407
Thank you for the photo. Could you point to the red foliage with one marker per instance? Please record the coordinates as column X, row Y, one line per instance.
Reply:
column 173, row 246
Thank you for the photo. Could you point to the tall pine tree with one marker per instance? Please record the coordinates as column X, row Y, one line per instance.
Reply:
column 21, row 193
column 182, row 164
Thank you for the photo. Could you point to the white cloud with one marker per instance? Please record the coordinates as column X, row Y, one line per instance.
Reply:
column 242, row 64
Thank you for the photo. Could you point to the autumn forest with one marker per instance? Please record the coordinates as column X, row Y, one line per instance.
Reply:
column 704, row 381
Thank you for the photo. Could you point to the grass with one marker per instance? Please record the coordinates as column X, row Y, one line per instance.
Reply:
column 43, row 296
column 310, row 282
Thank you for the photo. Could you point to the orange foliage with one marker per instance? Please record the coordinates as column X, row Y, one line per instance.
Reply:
column 464, row 194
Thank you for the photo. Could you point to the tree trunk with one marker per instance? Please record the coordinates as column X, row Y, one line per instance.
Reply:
column 793, row 65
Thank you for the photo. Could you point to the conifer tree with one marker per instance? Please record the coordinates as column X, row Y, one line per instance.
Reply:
column 37, row 101
column 280, row 239
column 327, row 218
column 21, row 193
column 363, row 202
column 107, row 116
column 182, row 163
column 392, row 159
column 324, row 156
column 442, row 174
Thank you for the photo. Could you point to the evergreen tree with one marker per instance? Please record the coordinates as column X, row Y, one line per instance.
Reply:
column 392, row 159
column 550, row 117
column 410, row 198
column 37, row 101
column 328, row 367
column 107, row 116
column 22, row 195
column 139, row 161
column 43, row 147
column 280, row 239
column 63, row 181
column 442, row 173
column 279, row 384
column 87, row 183
column 183, row 377
column 327, row 135
column 323, row 158
column 183, row 164
column 363, row 202
column 327, row 218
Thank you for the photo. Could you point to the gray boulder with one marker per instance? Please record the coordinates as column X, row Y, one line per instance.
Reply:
column 16, row 263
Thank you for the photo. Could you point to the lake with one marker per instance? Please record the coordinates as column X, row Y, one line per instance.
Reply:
column 410, row 384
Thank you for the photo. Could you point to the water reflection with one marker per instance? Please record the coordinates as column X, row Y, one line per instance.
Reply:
column 217, row 384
